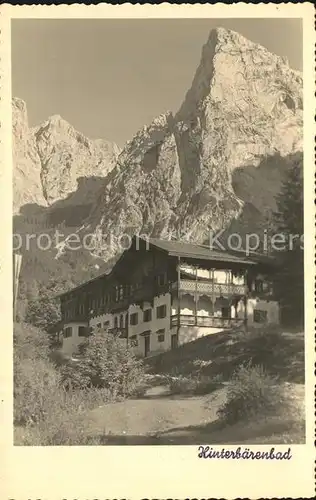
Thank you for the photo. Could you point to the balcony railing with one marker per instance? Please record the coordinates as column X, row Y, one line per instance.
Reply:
column 210, row 321
column 209, row 288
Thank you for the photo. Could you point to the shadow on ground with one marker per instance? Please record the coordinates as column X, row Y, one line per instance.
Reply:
column 270, row 431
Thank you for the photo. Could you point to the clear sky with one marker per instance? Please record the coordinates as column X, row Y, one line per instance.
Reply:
column 108, row 78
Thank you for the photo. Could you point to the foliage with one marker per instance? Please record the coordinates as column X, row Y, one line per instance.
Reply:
column 106, row 362
column 289, row 221
column 44, row 412
column 251, row 391
column 197, row 384
column 43, row 275
column 64, row 421
column 43, row 311
column 35, row 390
column 29, row 343
column 35, row 378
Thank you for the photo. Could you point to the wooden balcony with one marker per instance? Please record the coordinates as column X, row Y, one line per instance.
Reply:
column 210, row 288
column 208, row 321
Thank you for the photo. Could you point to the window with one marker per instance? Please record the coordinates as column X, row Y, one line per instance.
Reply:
column 226, row 312
column 122, row 321
column 82, row 331
column 106, row 324
column 67, row 332
column 259, row 286
column 162, row 279
column 115, row 322
column 81, row 309
column 147, row 315
column 161, row 335
column 133, row 340
column 99, row 326
column 133, row 319
column 161, row 311
column 260, row 316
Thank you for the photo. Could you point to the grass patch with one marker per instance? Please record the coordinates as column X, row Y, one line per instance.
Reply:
column 279, row 352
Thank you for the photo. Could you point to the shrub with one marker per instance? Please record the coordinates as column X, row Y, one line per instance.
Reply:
column 194, row 384
column 251, row 391
column 29, row 342
column 35, row 385
column 35, row 379
column 65, row 422
column 44, row 412
column 107, row 362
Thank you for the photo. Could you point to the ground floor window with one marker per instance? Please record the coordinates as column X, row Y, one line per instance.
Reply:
column 260, row 316
column 82, row 331
column 147, row 315
column 161, row 335
column 68, row 332
column 133, row 340
column 161, row 311
column 174, row 341
column 133, row 319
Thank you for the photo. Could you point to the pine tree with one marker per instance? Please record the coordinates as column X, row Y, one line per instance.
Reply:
column 289, row 221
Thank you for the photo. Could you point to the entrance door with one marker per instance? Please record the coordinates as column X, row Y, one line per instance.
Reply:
column 226, row 312
column 147, row 345
column 174, row 341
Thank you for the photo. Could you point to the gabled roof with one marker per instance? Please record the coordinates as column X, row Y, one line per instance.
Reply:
column 195, row 251
column 176, row 248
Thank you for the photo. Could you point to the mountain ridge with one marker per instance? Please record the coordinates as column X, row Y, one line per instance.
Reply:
column 56, row 156
column 224, row 153
column 181, row 174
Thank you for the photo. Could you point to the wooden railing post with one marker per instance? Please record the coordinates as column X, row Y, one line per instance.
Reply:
column 178, row 297
column 213, row 293
column 246, row 301
column 195, row 296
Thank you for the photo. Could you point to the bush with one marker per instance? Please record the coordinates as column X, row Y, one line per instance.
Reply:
column 65, row 422
column 35, row 386
column 251, row 391
column 50, row 403
column 29, row 343
column 106, row 362
column 35, row 379
column 194, row 385
column 44, row 412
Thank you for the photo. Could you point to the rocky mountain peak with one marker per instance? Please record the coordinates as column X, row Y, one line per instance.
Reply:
column 217, row 163
column 27, row 186
column 200, row 169
column 57, row 158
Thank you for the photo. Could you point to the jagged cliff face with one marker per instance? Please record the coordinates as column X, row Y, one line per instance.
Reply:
column 27, row 186
column 52, row 160
column 218, row 163
column 187, row 174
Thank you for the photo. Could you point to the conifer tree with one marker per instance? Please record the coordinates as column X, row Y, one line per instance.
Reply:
column 289, row 221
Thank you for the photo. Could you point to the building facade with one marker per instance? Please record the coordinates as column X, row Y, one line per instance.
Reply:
column 161, row 294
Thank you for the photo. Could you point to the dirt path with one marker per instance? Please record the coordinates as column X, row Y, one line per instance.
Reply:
column 160, row 418
column 146, row 419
